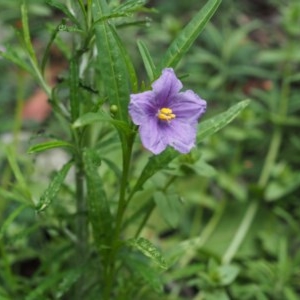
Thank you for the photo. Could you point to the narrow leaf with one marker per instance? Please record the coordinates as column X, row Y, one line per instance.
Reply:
column 112, row 64
column 169, row 206
column 50, row 145
column 113, row 167
column 68, row 281
column 49, row 283
column 64, row 9
column 149, row 250
column 147, row 272
column 147, row 60
column 15, row 58
column 52, row 190
column 206, row 128
column 277, row 190
column 26, row 33
column 216, row 123
column 98, row 206
column 155, row 164
column 12, row 159
column 129, row 65
column 13, row 196
column 48, row 47
column 129, row 6
column 90, row 118
column 188, row 35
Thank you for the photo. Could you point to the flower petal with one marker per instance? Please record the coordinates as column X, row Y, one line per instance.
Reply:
column 166, row 86
column 188, row 106
column 141, row 106
column 181, row 136
column 152, row 136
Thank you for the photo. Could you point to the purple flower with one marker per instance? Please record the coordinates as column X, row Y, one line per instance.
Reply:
column 167, row 116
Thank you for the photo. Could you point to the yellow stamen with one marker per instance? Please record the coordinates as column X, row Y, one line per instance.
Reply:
column 165, row 114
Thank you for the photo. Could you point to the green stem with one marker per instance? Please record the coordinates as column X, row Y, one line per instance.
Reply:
column 40, row 77
column 241, row 233
column 82, row 228
column 110, row 265
column 212, row 224
column 18, row 111
column 82, row 221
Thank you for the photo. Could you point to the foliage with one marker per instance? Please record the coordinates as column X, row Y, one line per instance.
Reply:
column 108, row 220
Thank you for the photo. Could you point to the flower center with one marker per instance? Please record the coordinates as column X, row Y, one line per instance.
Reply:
column 166, row 114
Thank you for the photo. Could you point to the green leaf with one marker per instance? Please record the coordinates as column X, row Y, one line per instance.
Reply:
column 149, row 250
column 11, row 218
column 216, row 123
column 148, row 273
column 113, row 167
column 227, row 274
column 169, row 206
column 26, row 33
column 98, row 206
column 52, row 190
column 27, row 45
column 129, row 65
column 216, row 294
column 14, row 196
column 68, row 280
column 129, row 6
column 155, row 164
column 277, row 190
column 111, row 61
column 64, row 9
column 50, row 282
column 147, row 60
column 91, row 117
column 50, row 145
column 206, row 128
column 14, row 57
column 123, row 10
column 188, row 35
column 48, row 47
column 12, row 159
